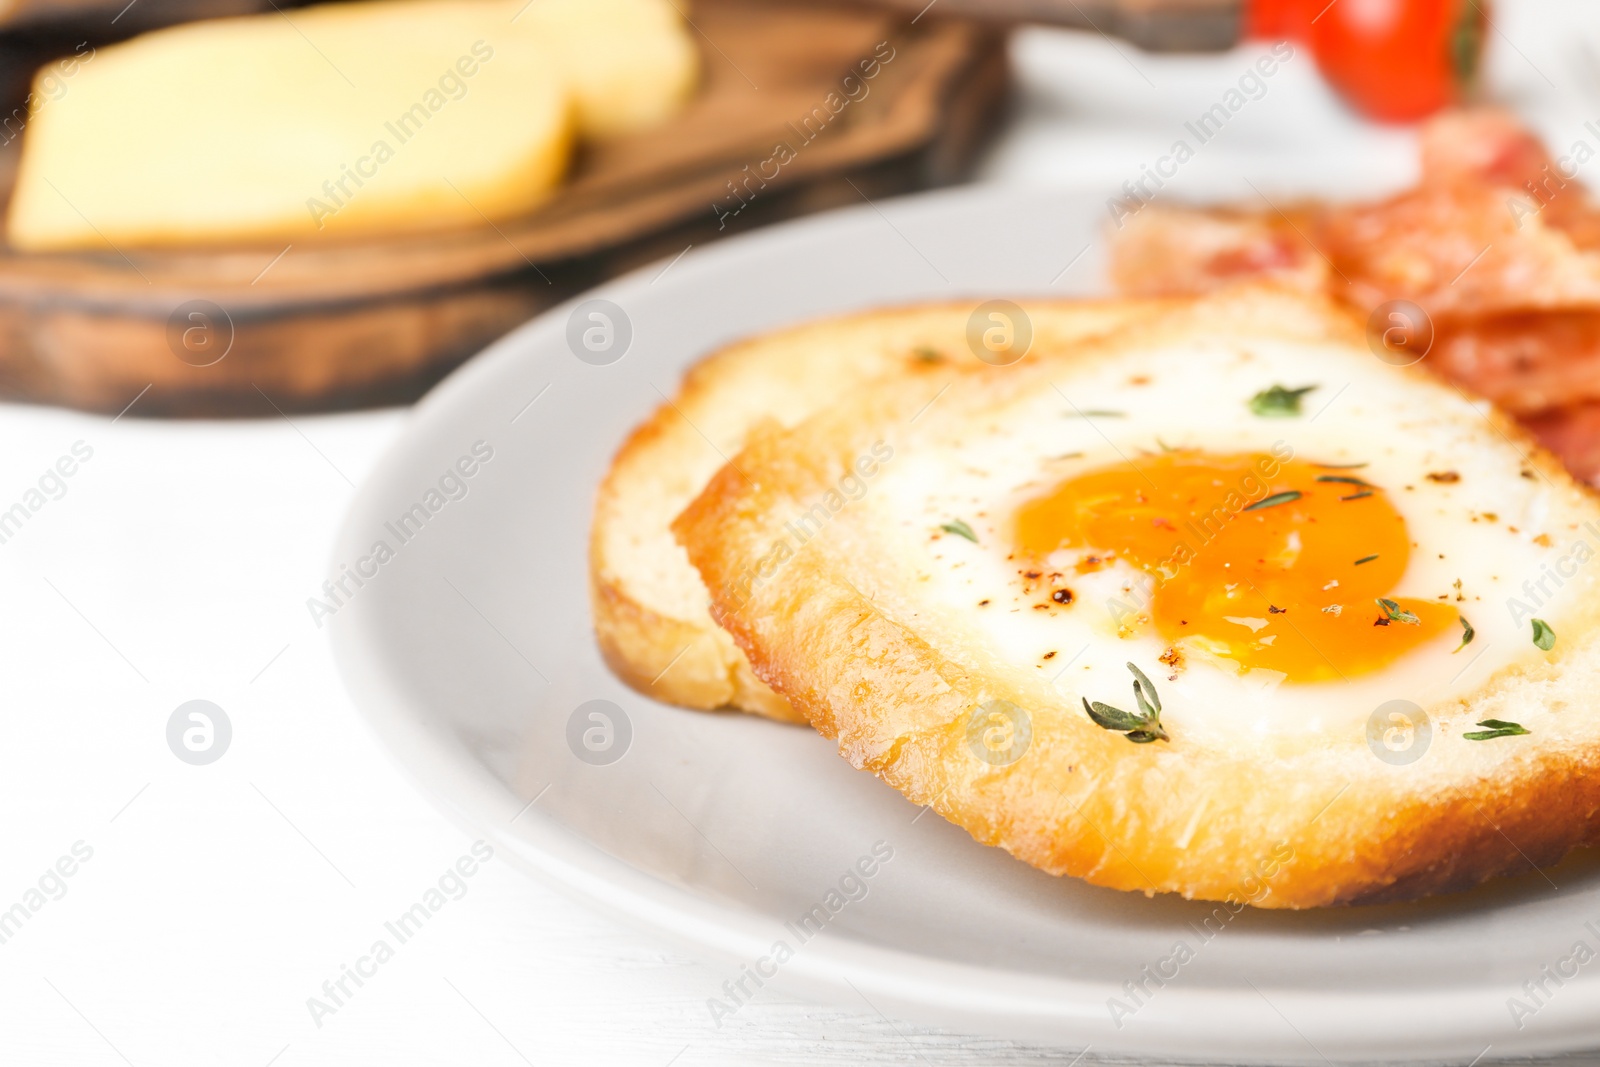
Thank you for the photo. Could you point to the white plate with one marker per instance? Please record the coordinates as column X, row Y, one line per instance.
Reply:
column 471, row 648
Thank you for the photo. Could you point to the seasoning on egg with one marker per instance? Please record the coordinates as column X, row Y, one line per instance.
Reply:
column 960, row 529
column 1287, row 497
column 1278, row 402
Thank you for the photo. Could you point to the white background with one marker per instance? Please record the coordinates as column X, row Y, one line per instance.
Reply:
column 177, row 566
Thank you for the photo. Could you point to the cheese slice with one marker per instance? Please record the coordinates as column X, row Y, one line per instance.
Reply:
column 630, row 63
column 342, row 119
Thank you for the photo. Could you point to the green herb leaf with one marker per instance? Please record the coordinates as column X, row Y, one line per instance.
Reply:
column 1396, row 613
column 1345, row 479
column 1286, row 497
column 1467, row 634
column 1142, row 687
column 1365, row 559
column 1356, row 496
column 960, row 529
column 1543, row 636
column 1142, row 728
column 1339, row 466
column 1496, row 728
column 928, row 354
column 1110, row 718
column 1278, row 402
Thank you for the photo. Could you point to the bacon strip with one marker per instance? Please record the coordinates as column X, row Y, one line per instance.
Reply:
column 1495, row 243
column 1573, row 434
column 1528, row 363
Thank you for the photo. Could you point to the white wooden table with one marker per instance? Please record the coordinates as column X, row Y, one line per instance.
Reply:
column 207, row 904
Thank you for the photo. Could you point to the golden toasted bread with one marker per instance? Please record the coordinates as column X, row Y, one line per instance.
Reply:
column 649, row 604
column 1304, row 723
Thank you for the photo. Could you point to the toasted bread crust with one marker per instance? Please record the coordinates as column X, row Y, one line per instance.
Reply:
column 650, row 608
column 1319, row 825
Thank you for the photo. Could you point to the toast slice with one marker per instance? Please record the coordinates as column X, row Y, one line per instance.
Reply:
column 1137, row 615
column 650, row 607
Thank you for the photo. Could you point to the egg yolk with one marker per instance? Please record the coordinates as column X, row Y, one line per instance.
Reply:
column 1282, row 566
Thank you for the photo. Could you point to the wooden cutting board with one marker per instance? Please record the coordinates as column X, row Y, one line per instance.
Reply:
column 244, row 330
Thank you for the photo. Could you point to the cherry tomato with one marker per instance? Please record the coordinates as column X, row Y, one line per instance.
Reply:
column 1277, row 20
column 1400, row 60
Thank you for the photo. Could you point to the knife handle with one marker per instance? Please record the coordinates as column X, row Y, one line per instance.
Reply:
column 1154, row 25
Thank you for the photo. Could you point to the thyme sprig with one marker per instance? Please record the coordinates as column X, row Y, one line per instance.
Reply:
column 1279, row 402
column 1142, row 727
column 1495, row 728
column 960, row 529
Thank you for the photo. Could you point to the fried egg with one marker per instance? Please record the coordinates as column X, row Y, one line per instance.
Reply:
column 1289, row 537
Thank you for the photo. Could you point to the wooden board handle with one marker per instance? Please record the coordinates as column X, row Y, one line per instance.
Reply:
column 102, row 20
